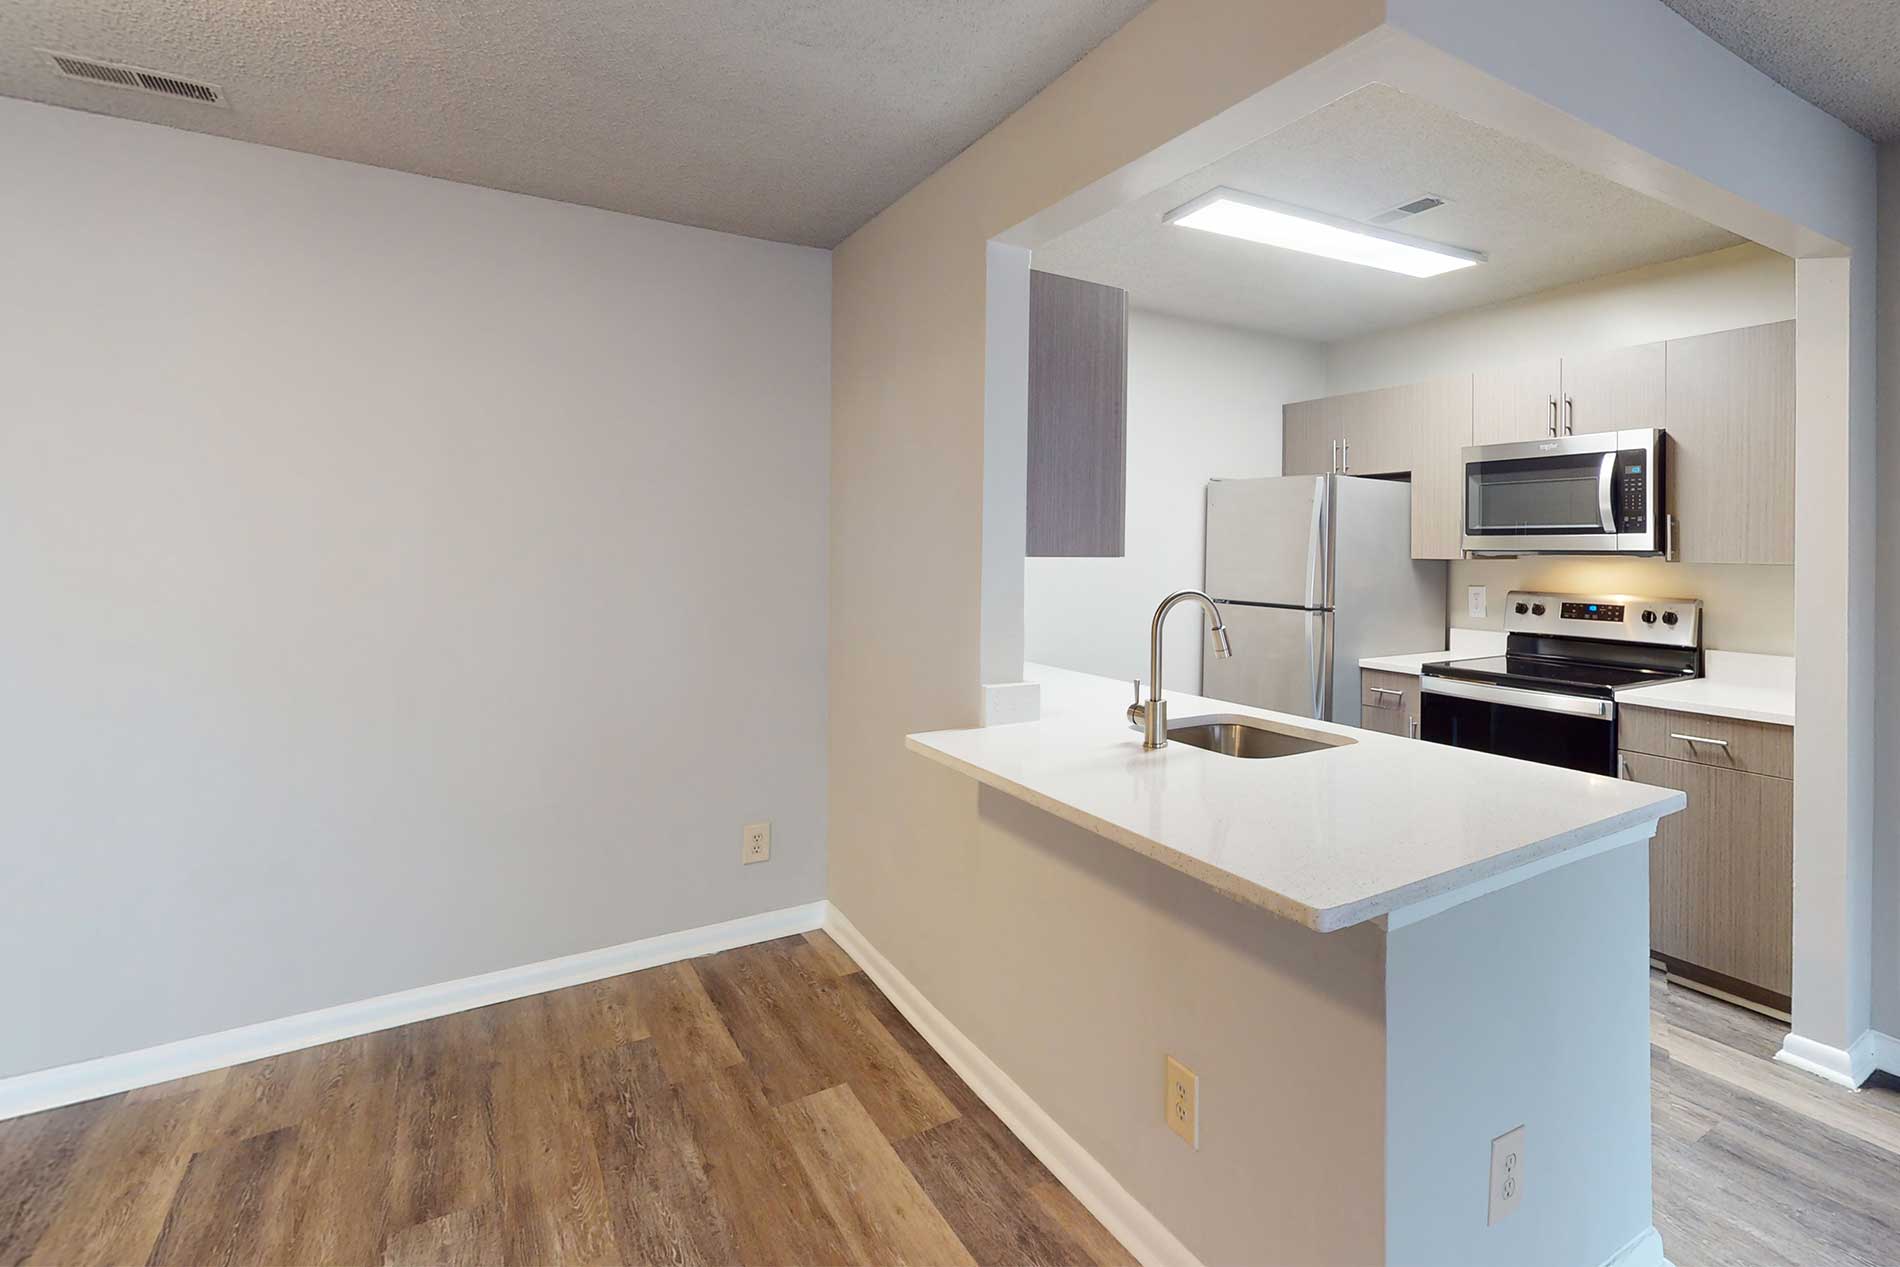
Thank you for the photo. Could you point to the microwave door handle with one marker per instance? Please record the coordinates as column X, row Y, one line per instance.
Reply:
column 1606, row 479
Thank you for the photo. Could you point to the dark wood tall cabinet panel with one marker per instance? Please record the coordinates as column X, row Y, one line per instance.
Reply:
column 1078, row 412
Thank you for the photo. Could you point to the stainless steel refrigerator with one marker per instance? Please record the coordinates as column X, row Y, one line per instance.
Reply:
column 1311, row 573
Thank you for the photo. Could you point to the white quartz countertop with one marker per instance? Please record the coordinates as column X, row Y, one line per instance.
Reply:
column 1330, row 838
column 1465, row 644
column 1734, row 684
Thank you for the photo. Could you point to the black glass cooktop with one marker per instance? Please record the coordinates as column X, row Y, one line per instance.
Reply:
column 1547, row 673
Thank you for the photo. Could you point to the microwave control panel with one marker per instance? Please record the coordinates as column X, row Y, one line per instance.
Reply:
column 1629, row 491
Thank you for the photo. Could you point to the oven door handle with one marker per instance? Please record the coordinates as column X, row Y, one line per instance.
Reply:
column 1516, row 697
column 1606, row 481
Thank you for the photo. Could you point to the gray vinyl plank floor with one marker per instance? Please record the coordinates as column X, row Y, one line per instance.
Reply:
column 1759, row 1165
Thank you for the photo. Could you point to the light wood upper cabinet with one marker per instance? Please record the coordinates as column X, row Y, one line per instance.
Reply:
column 1440, row 414
column 1726, row 400
column 1730, row 414
column 1309, row 437
column 1078, row 411
column 1360, row 433
column 1619, row 390
column 1417, row 430
column 1375, row 432
column 1518, row 402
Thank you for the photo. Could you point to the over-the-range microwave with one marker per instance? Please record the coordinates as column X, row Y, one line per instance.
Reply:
column 1599, row 493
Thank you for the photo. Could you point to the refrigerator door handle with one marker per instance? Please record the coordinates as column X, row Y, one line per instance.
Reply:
column 1312, row 664
column 1316, row 557
column 1319, row 662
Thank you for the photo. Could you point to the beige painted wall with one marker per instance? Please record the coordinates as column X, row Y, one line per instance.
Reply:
column 1746, row 608
column 1743, row 608
column 1744, row 285
column 910, row 858
column 912, row 862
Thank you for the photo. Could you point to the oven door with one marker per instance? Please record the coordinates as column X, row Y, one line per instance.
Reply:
column 1576, row 731
column 1588, row 494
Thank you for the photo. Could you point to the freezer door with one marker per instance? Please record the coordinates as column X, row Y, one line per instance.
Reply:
column 1268, row 539
column 1282, row 660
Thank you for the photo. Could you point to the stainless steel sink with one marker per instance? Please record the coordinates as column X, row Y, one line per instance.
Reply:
column 1233, row 736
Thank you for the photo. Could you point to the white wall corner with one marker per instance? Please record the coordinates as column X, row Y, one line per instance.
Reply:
column 1847, row 1067
column 1886, row 1052
column 109, row 1075
column 1006, row 702
column 1005, row 462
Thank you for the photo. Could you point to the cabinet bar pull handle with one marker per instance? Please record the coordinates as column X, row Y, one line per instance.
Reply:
column 1553, row 415
column 1411, row 728
column 1335, row 455
column 1718, row 743
column 1623, row 767
column 1345, row 456
column 1570, row 415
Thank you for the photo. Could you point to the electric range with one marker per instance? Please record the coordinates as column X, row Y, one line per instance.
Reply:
column 1552, row 695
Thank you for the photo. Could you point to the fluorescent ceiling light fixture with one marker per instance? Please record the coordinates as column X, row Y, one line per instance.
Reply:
column 1239, row 215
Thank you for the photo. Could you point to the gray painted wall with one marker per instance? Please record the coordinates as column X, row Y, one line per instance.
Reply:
column 402, row 581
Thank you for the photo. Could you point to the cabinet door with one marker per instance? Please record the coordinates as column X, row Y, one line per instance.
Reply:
column 1438, row 418
column 1384, row 701
column 1388, row 702
column 1725, row 900
column 1309, row 437
column 1515, row 403
column 1078, row 394
column 1613, row 391
column 1375, row 431
column 1730, row 414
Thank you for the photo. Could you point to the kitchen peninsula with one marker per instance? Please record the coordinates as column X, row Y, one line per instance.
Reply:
column 1472, row 931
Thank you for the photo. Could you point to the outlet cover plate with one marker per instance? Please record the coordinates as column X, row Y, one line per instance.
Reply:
column 1183, row 1103
column 1507, row 1173
column 755, row 843
column 1474, row 601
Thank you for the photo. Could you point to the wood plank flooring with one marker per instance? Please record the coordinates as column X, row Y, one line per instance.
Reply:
column 770, row 1106
column 1757, row 1164
column 762, row 1106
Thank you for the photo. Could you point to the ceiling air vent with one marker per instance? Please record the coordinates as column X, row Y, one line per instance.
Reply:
column 97, row 72
column 1418, row 206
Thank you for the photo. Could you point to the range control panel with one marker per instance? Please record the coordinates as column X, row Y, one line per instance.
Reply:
column 1612, row 612
column 1668, row 622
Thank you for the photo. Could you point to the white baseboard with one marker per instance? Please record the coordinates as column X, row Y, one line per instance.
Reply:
column 108, row 1075
column 1886, row 1050
column 1849, row 1068
column 1144, row 1236
column 1646, row 1250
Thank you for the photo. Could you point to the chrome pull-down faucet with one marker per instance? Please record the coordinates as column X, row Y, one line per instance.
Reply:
column 1152, row 718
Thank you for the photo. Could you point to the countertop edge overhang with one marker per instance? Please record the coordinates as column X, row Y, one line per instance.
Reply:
column 1207, row 828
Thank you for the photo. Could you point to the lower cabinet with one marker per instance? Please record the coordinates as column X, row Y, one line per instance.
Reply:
column 1388, row 702
column 1721, row 872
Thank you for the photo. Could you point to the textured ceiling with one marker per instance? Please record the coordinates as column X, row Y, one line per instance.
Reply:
column 1542, row 222
column 1843, row 55
column 795, row 120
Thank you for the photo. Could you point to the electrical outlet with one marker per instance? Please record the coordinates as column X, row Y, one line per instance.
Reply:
column 1507, row 1173
column 1183, row 1103
column 1474, row 601
column 756, row 843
